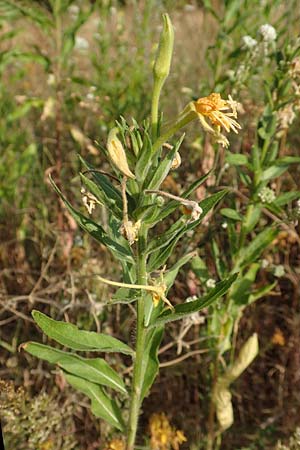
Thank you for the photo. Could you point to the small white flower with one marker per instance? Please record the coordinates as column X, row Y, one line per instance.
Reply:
column 74, row 11
column 268, row 33
column 191, row 299
column 81, row 43
column 298, row 207
column 224, row 225
column 249, row 42
column 266, row 195
column 51, row 79
column 211, row 283
column 264, row 263
column 90, row 96
column 279, row 271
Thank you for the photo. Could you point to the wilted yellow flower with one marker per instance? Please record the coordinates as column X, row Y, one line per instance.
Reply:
column 117, row 153
column 89, row 200
column 163, row 435
column 214, row 106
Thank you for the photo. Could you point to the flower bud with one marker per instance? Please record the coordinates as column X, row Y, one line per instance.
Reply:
column 117, row 153
column 163, row 59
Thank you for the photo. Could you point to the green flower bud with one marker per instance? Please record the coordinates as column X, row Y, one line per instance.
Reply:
column 163, row 59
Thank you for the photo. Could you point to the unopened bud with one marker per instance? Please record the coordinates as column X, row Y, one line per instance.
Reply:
column 117, row 153
column 163, row 59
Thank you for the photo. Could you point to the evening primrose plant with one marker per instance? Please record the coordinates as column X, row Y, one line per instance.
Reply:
column 141, row 157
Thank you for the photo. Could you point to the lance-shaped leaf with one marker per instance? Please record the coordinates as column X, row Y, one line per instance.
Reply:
column 144, row 161
column 95, row 370
column 163, row 167
column 102, row 406
column 96, row 231
column 256, row 247
column 186, row 309
column 100, row 195
column 70, row 336
column 163, row 239
column 151, row 363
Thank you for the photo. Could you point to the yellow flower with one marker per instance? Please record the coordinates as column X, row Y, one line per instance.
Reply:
column 163, row 435
column 278, row 337
column 214, row 108
column 221, row 113
column 116, row 444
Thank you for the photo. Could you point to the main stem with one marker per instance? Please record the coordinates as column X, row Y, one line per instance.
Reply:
column 138, row 369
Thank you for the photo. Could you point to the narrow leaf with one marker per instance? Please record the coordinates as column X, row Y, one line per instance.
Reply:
column 102, row 406
column 70, row 336
column 95, row 230
column 95, row 370
column 186, row 309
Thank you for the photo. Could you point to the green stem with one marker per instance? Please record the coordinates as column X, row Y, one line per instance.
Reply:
column 138, row 369
column 158, row 84
column 171, row 131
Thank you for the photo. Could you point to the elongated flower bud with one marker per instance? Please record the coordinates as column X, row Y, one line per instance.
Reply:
column 163, row 59
column 117, row 153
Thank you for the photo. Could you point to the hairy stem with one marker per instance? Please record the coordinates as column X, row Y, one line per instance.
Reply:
column 138, row 369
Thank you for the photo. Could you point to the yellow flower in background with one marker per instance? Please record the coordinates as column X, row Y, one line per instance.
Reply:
column 116, row 444
column 278, row 337
column 163, row 435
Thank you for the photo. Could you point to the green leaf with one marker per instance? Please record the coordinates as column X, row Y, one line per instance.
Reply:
column 144, row 161
column 286, row 197
column 200, row 269
column 261, row 292
column 102, row 406
column 186, row 309
column 256, row 247
column 241, row 289
column 70, row 336
column 163, row 239
column 163, row 167
column 159, row 257
column 251, row 219
column 170, row 275
column 231, row 214
column 112, row 196
column 95, row 370
column 151, row 362
column 96, row 231
column 236, row 159
column 273, row 172
column 171, row 206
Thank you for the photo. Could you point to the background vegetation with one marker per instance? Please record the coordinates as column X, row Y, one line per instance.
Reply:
column 68, row 70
